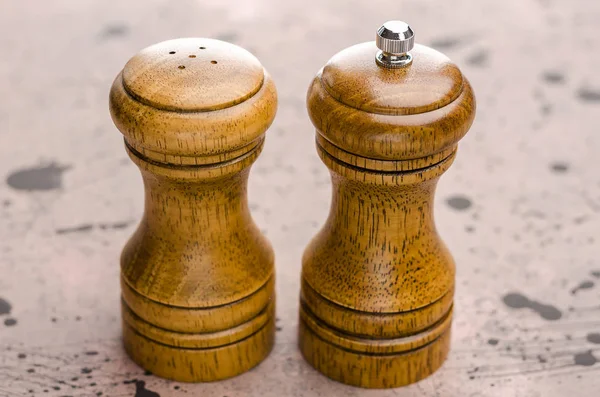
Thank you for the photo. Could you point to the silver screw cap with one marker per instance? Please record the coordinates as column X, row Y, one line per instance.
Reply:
column 394, row 39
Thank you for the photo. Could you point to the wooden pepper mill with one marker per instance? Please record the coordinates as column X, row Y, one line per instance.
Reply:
column 377, row 281
column 197, row 277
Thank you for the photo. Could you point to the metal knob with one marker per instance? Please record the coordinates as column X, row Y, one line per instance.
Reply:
column 394, row 39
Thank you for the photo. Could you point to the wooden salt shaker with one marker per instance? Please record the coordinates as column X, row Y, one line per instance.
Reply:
column 197, row 276
column 377, row 281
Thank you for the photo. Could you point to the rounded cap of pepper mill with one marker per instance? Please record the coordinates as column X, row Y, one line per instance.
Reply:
column 418, row 110
column 193, row 101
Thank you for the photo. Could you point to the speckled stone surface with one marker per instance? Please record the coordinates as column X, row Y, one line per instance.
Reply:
column 520, row 209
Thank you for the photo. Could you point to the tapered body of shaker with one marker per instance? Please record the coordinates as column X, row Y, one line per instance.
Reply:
column 197, row 276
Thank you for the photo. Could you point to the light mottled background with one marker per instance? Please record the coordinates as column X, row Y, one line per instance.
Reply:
column 520, row 209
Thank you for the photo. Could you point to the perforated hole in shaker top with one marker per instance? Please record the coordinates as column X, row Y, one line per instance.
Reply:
column 154, row 76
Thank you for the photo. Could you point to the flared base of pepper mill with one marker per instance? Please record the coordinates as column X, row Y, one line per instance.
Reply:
column 373, row 363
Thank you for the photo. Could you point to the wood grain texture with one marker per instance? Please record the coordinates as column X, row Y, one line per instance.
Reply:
column 197, row 276
column 377, row 280
column 382, row 95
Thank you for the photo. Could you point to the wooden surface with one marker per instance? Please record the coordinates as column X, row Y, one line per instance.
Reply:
column 197, row 276
column 519, row 208
column 429, row 83
column 377, row 280
column 426, row 128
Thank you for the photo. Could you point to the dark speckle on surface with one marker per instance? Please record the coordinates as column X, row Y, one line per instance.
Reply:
column 5, row 307
column 141, row 391
column 86, row 370
column 519, row 301
column 230, row 37
column 114, row 30
column 9, row 322
column 559, row 167
column 459, row 202
column 516, row 301
column 91, row 353
column 88, row 227
column 553, row 77
column 116, row 225
column 22, row 355
column 76, row 229
column 445, row 43
column 542, row 359
column 493, row 341
column 595, row 273
column 586, row 359
column 588, row 95
column 478, row 58
column 593, row 337
column 587, row 284
column 37, row 178
column 546, row 109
